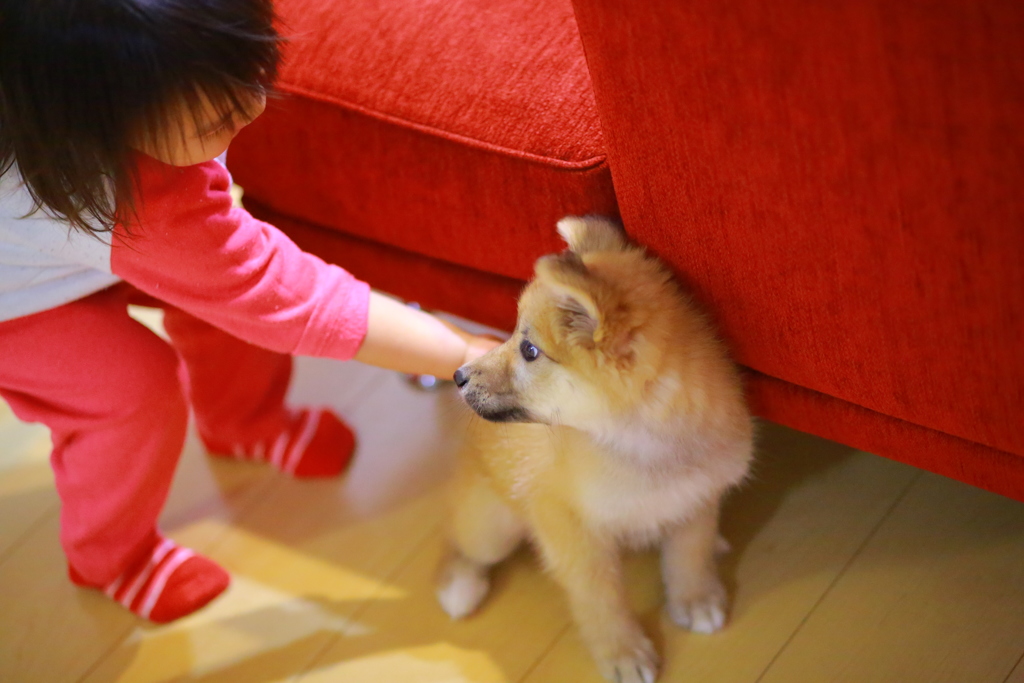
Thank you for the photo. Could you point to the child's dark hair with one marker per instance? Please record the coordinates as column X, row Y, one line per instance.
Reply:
column 81, row 79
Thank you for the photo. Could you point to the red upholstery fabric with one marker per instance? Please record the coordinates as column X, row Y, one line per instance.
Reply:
column 929, row 449
column 425, row 125
column 839, row 182
column 842, row 183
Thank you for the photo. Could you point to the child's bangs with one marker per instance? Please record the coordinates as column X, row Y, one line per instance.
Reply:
column 185, row 112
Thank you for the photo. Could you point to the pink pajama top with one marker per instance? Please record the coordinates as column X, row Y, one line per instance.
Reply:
column 192, row 249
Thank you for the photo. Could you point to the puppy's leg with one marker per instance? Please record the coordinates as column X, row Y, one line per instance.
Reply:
column 484, row 531
column 696, row 597
column 588, row 568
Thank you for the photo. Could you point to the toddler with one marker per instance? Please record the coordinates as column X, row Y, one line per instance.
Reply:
column 112, row 116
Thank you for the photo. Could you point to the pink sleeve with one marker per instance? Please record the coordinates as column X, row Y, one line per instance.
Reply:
column 192, row 249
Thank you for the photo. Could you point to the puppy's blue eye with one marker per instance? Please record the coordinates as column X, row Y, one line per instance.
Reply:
column 529, row 351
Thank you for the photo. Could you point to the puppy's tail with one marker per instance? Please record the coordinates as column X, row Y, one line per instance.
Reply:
column 587, row 234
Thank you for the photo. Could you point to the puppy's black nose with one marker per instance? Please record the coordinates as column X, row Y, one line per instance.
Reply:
column 461, row 378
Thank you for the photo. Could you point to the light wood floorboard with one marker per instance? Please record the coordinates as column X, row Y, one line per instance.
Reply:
column 935, row 595
column 1017, row 675
column 26, row 481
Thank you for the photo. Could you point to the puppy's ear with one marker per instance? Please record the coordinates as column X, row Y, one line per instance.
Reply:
column 588, row 234
column 567, row 278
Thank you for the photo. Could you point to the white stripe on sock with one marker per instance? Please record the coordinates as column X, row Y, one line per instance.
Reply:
column 112, row 588
column 115, row 586
column 312, row 421
column 159, row 582
column 277, row 451
column 165, row 547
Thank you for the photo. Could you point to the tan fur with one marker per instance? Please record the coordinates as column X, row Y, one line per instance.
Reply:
column 625, row 431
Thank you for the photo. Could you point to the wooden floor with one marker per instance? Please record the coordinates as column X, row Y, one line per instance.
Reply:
column 845, row 567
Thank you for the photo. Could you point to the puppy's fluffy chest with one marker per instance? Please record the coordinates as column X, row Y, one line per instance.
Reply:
column 632, row 500
column 627, row 496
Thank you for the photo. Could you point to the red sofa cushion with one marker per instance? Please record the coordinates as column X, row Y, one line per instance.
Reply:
column 425, row 125
column 842, row 182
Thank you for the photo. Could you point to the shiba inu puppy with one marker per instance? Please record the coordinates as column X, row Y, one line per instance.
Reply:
column 622, row 422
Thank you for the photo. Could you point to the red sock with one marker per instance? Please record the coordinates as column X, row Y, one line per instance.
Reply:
column 168, row 583
column 316, row 443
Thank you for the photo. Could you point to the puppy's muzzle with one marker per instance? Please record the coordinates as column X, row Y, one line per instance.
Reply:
column 490, row 407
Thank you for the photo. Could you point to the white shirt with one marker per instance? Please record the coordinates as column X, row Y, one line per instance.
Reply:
column 43, row 262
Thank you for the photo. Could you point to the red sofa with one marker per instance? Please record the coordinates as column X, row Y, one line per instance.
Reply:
column 841, row 183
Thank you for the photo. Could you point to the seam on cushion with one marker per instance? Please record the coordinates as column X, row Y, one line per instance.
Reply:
column 969, row 439
column 448, row 135
column 287, row 213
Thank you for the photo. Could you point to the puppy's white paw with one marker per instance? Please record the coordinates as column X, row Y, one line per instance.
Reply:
column 639, row 665
column 461, row 590
column 704, row 613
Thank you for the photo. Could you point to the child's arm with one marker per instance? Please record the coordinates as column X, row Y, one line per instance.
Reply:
column 194, row 251
column 405, row 339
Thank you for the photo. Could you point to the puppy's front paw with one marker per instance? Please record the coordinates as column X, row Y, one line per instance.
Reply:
column 638, row 664
column 461, row 587
column 703, row 612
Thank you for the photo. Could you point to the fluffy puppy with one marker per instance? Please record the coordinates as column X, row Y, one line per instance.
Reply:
column 613, row 417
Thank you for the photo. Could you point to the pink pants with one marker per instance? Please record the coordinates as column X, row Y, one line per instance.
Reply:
column 115, row 398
